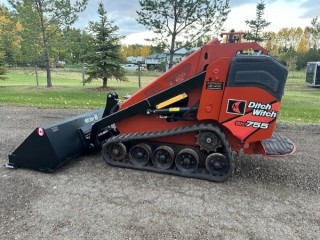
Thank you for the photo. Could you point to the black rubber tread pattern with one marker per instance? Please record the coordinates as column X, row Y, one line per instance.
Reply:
column 200, row 173
column 278, row 145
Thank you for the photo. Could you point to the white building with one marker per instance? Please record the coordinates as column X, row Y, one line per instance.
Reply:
column 161, row 60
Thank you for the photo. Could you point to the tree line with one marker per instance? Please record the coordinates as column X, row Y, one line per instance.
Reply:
column 296, row 46
column 40, row 33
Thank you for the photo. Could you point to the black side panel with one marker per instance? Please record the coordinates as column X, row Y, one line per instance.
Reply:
column 258, row 71
column 317, row 80
column 310, row 71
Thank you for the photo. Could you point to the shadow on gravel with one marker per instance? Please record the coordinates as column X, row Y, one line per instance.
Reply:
column 276, row 171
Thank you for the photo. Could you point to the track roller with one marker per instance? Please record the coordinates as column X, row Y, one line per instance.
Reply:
column 116, row 151
column 219, row 166
column 187, row 160
column 196, row 162
column 140, row 154
column 163, row 157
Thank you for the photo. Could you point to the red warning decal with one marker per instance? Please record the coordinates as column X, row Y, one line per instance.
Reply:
column 40, row 132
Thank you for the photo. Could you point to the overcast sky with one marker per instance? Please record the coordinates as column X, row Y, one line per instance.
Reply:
column 281, row 13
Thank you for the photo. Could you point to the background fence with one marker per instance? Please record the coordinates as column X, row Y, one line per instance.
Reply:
column 74, row 76
column 29, row 76
column 68, row 76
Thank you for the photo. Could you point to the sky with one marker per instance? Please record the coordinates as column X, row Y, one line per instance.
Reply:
column 281, row 13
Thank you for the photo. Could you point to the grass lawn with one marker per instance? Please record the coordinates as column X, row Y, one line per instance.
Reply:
column 300, row 103
column 20, row 88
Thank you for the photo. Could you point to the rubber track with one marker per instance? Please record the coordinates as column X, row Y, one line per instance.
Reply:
column 200, row 173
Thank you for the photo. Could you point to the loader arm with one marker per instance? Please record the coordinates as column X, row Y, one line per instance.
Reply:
column 143, row 106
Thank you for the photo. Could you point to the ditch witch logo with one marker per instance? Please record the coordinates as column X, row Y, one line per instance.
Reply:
column 262, row 110
column 258, row 109
column 236, row 106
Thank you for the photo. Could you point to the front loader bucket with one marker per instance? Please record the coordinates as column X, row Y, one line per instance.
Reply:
column 52, row 145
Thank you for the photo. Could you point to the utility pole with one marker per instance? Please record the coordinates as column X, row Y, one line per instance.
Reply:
column 139, row 61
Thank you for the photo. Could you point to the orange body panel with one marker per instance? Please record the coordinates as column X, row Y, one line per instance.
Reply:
column 245, row 125
column 189, row 67
column 212, row 97
column 212, row 90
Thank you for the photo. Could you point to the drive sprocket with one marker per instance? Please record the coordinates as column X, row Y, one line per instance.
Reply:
column 208, row 141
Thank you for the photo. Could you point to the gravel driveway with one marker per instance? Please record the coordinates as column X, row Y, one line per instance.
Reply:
column 268, row 198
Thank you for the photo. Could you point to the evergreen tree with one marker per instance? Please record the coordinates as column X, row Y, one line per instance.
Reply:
column 258, row 25
column 104, row 62
column 312, row 55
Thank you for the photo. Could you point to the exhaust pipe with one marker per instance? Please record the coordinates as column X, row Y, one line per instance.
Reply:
column 53, row 145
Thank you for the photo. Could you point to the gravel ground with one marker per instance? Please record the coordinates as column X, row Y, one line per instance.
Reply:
column 268, row 198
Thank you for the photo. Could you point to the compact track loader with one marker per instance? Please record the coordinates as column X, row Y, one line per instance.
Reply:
column 222, row 99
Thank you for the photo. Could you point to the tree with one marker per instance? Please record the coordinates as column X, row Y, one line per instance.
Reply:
column 258, row 25
column 302, row 46
column 135, row 50
column 3, row 22
column 105, row 61
column 158, row 48
column 271, row 44
column 72, row 45
column 2, row 66
column 315, row 31
column 46, row 17
column 10, row 35
column 181, row 20
column 310, row 56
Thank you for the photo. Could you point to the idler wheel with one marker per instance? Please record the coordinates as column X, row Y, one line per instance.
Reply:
column 219, row 166
column 140, row 154
column 187, row 160
column 116, row 151
column 163, row 157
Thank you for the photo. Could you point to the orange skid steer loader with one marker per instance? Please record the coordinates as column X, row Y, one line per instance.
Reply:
column 222, row 99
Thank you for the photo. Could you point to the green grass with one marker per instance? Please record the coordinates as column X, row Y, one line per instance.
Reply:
column 56, row 97
column 67, row 92
column 62, row 97
column 64, row 77
column 300, row 103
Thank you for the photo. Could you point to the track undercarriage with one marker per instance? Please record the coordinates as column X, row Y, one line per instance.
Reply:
column 210, row 159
